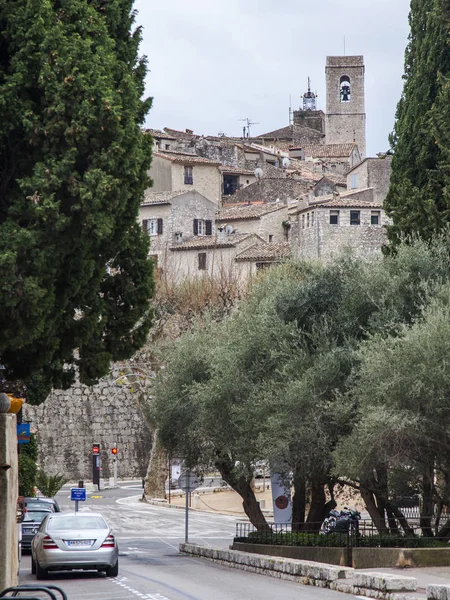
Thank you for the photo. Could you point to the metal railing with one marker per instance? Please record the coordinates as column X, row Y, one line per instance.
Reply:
column 365, row 535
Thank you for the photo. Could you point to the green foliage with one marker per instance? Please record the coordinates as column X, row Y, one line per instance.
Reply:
column 27, row 467
column 49, row 485
column 73, row 259
column 418, row 198
column 334, row 540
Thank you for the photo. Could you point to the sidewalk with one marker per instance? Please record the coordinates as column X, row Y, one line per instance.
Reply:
column 228, row 502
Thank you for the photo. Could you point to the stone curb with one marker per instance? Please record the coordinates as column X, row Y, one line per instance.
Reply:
column 438, row 592
column 341, row 579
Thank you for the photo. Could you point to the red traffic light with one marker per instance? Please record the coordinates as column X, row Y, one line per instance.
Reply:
column 114, row 451
column 95, row 448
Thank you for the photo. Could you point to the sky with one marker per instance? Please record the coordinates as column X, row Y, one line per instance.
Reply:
column 213, row 63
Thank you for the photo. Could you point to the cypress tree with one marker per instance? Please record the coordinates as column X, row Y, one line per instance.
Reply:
column 75, row 281
column 415, row 200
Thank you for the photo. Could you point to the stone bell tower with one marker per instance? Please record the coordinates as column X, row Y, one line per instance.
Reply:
column 346, row 115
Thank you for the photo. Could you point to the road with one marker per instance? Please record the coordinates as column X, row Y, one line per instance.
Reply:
column 151, row 566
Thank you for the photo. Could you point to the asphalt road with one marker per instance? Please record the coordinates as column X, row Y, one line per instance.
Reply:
column 150, row 565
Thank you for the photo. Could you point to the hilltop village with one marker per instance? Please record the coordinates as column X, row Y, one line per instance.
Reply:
column 222, row 205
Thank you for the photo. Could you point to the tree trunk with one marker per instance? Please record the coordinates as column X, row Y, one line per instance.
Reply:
column 372, row 508
column 242, row 485
column 319, row 507
column 298, row 503
column 426, row 514
column 154, row 486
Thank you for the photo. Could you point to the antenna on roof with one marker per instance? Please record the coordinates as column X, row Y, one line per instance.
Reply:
column 246, row 129
column 290, row 110
column 344, row 45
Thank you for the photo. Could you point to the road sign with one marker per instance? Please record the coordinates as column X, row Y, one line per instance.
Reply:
column 23, row 433
column 78, row 494
column 188, row 481
column 95, row 448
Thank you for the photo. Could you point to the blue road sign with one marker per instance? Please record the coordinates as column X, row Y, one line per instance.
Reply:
column 23, row 433
column 78, row 494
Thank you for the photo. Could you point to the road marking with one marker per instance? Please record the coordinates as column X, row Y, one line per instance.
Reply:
column 96, row 496
column 120, row 581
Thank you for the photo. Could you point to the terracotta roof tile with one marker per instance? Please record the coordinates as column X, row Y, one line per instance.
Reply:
column 248, row 211
column 185, row 158
column 213, row 241
column 151, row 197
column 266, row 252
column 157, row 133
column 237, row 170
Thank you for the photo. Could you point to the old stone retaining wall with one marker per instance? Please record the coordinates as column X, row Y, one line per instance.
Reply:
column 70, row 421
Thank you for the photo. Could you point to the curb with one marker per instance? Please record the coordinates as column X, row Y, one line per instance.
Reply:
column 382, row 586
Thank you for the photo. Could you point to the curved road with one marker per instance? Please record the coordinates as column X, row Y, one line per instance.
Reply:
column 151, row 566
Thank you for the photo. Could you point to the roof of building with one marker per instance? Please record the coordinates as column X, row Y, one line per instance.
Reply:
column 237, row 170
column 185, row 158
column 151, row 197
column 387, row 158
column 328, row 150
column 269, row 252
column 290, row 132
column 200, row 242
column 351, row 199
column 334, row 178
column 236, row 212
column 157, row 133
column 180, row 135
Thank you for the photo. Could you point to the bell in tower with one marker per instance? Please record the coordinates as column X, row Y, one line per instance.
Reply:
column 309, row 99
column 345, row 89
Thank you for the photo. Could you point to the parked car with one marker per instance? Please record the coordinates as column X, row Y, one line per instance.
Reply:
column 42, row 502
column 67, row 541
column 31, row 521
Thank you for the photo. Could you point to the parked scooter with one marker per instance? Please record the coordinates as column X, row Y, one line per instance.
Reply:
column 342, row 521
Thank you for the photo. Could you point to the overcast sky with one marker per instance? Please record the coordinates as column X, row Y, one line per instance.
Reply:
column 214, row 62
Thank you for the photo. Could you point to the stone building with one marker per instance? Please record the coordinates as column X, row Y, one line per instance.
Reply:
column 372, row 173
column 212, row 256
column 329, row 158
column 345, row 121
column 329, row 184
column 174, row 217
column 186, row 171
column 323, row 227
column 262, row 256
column 262, row 218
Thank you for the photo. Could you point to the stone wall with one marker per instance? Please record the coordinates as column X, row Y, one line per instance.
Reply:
column 70, row 421
column 324, row 241
column 270, row 189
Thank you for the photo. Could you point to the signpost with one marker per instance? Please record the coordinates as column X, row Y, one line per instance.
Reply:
column 77, row 495
column 188, row 481
column 96, row 465
column 23, row 433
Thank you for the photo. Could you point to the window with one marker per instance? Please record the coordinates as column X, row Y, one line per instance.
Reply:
column 307, row 220
column 375, row 217
column 270, row 238
column 202, row 227
column 312, row 219
column 355, row 217
column 167, row 146
column 354, row 181
column 334, row 217
column 152, row 226
column 333, row 167
column 188, row 175
column 202, row 261
column 303, row 221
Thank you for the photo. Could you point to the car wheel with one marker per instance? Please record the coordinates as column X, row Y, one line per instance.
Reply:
column 40, row 572
column 33, row 566
column 113, row 571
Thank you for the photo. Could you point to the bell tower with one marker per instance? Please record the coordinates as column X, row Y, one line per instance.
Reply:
column 346, row 114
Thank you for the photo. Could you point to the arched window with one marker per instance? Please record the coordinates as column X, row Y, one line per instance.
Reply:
column 344, row 89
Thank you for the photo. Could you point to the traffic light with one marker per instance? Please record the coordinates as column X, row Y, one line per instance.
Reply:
column 95, row 448
column 114, row 451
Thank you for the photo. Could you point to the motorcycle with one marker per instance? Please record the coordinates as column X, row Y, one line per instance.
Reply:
column 342, row 521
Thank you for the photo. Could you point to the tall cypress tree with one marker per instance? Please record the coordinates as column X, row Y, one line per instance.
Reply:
column 415, row 200
column 75, row 281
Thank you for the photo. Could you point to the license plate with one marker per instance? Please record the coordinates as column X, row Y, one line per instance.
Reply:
column 79, row 543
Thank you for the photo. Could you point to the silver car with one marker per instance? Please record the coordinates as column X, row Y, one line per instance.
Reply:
column 67, row 541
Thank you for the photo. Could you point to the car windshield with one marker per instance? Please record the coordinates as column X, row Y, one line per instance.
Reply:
column 76, row 523
column 39, row 506
column 35, row 516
